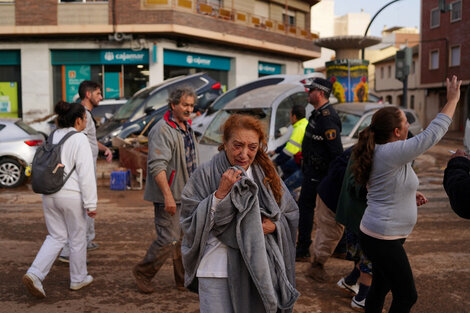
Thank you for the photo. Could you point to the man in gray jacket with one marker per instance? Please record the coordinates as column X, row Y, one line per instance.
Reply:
column 172, row 158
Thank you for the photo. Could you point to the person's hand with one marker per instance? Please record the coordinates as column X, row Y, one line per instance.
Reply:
column 453, row 89
column 458, row 153
column 170, row 206
column 91, row 214
column 268, row 225
column 229, row 178
column 108, row 154
column 420, row 199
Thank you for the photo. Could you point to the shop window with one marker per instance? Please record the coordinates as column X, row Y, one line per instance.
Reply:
column 434, row 60
column 435, row 16
column 456, row 11
column 455, row 56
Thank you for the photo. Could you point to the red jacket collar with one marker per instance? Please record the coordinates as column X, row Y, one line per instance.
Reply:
column 171, row 123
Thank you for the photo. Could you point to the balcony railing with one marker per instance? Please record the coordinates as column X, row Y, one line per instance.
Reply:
column 233, row 15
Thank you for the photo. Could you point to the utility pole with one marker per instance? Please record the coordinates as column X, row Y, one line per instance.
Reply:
column 403, row 60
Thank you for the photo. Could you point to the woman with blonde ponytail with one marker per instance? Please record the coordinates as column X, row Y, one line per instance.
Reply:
column 382, row 161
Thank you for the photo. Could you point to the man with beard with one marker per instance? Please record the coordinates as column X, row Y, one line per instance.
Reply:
column 90, row 95
column 172, row 158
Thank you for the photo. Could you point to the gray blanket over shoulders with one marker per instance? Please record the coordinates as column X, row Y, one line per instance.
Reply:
column 261, row 268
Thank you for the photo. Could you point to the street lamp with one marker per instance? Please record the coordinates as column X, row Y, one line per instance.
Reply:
column 368, row 26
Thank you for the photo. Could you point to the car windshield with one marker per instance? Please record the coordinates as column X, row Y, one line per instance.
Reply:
column 28, row 129
column 348, row 121
column 129, row 108
column 213, row 133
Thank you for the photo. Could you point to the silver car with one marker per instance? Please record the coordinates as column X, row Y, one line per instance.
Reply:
column 201, row 122
column 355, row 116
column 271, row 104
column 18, row 143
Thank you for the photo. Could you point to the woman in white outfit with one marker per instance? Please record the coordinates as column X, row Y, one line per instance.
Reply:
column 65, row 210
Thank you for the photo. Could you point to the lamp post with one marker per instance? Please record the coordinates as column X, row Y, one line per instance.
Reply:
column 368, row 26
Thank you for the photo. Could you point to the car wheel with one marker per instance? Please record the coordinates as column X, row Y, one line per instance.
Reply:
column 11, row 173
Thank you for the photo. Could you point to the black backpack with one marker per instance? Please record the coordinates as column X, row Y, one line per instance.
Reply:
column 47, row 177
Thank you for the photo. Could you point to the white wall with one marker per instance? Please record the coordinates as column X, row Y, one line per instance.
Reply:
column 322, row 21
column 36, row 80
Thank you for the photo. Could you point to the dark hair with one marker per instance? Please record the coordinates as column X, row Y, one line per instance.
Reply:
column 67, row 113
column 298, row 111
column 239, row 121
column 87, row 85
column 380, row 130
column 178, row 93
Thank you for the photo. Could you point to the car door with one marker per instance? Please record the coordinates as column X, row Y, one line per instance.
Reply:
column 281, row 127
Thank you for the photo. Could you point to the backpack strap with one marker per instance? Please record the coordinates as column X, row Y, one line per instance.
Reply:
column 73, row 132
column 67, row 136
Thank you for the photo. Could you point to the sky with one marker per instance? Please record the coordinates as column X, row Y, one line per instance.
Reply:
column 402, row 13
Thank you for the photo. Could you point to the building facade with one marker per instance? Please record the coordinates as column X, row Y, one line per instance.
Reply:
column 390, row 89
column 49, row 46
column 445, row 47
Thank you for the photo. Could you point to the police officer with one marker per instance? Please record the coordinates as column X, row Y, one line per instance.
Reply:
column 321, row 144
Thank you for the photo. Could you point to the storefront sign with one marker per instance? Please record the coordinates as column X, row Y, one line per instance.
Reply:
column 308, row 70
column 8, row 99
column 111, row 85
column 9, row 57
column 349, row 78
column 124, row 57
column 269, row 68
column 98, row 57
column 184, row 59
column 74, row 75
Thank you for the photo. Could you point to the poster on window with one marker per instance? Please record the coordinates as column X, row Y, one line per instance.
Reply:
column 74, row 75
column 8, row 99
column 349, row 79
column 112, row 85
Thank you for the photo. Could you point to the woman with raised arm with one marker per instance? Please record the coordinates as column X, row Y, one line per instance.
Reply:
column 382, row 161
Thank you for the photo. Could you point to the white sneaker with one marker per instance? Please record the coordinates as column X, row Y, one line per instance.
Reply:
column 358, row 305
column 76, row 286
column 351, row 289
column 34, row 285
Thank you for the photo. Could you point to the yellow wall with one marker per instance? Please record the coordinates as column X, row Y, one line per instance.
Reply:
column 7, row 14
column 77, row 13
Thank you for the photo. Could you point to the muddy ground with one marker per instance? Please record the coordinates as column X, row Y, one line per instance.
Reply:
column 438, row 248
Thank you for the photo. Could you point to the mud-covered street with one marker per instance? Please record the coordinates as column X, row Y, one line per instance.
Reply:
column 439, row 251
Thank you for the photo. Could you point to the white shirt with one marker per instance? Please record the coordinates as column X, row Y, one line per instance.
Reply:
column 214, row 261
column 76, row 151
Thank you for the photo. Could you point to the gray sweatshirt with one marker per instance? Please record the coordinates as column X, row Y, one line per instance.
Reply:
column 391, row 199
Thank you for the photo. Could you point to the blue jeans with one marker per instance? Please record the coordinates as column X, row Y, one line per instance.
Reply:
column 294, row 181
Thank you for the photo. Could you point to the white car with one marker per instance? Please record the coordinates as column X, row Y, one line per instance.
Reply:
column 18, row 144
column 271, row 104
column 355, row 116
column 201, row 122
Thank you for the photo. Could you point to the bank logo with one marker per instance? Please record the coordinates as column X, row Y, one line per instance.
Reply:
column 109, row 56
column 189, row 59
